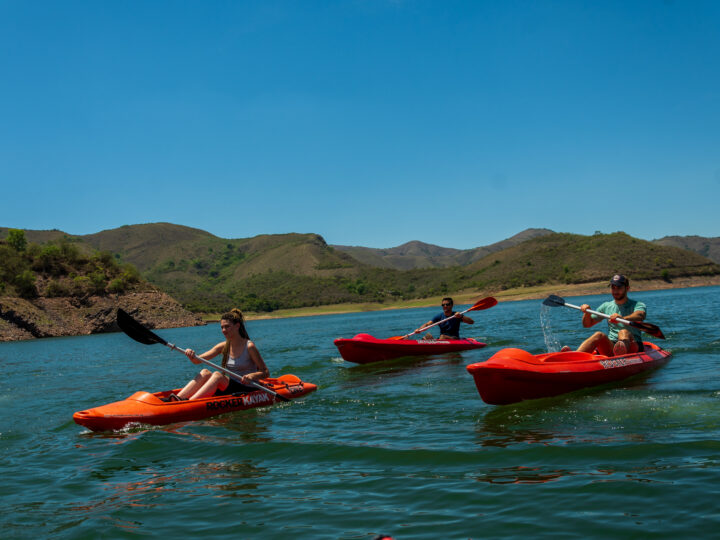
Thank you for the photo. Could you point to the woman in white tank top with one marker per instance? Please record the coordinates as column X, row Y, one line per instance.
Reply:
column 239, row 356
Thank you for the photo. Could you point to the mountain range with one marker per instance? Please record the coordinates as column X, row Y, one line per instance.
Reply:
column 416, row 254
column 208, row 273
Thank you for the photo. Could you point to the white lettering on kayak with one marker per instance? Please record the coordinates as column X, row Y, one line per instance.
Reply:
column 254, row 399
column 620, row 362
column 242, row 401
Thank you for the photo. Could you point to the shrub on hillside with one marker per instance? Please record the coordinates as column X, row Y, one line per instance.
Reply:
column 25, row 284
column 117, row 286
column 56, row 289
column 16, row 239
column 50, row 260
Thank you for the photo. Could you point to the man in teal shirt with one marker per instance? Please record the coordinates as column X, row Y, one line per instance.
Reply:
column 621, row 339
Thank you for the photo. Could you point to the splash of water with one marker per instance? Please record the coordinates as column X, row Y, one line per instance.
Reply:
column 551, row 342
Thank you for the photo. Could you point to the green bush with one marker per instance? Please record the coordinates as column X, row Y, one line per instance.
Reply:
column 70, row 251
column 16, row 239
column 81, row 285
column 25, row 284
column 56, row 289
column 50, row 260
column 98, row 281
column 130, row 273
column 117, row 286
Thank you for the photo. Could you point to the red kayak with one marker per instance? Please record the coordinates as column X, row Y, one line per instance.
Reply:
column 364, row 348
column 147, row 408
column 513, row 375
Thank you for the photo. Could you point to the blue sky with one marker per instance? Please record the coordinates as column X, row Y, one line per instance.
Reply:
column 368, row 122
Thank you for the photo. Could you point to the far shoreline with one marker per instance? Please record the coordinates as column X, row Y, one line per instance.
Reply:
column 465, row 297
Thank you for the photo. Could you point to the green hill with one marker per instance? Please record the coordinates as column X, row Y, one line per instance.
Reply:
column 209, row 273
column 707, row 247
column 572, row 258
column 268, row 272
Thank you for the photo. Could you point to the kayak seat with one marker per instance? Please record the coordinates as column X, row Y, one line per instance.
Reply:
column 570, row 356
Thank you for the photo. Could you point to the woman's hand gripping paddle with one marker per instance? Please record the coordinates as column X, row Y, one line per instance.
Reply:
column 485, row 303
column 139, row 333
column 555, row 301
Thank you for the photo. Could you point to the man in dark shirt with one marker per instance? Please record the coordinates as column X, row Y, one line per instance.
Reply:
column 449, row 329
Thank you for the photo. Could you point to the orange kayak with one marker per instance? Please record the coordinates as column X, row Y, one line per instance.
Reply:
column 148, row 408
column 513, row 375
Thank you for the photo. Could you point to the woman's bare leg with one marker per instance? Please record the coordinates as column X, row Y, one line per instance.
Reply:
column 216, row 380
column 192, row 387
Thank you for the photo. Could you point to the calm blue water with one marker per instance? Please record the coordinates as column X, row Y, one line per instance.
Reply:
column 405, row 448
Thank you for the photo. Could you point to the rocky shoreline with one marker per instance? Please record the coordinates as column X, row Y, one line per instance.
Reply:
column 54, row 317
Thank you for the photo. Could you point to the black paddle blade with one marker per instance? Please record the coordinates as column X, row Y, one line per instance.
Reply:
column 137, row 331
column 554, row 301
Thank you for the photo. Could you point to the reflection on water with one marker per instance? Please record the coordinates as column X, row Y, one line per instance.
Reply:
column 157, row 487
column 398, row 367
column 504, row 427
column 519, row 475
column 240, row 479
column 251, row 426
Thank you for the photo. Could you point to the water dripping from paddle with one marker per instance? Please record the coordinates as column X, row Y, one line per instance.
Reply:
column 551, row 342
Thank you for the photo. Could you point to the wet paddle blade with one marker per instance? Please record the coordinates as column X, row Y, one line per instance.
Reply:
column 136, row 330
column 649, row 329
column 485, row 303
column 554, row 301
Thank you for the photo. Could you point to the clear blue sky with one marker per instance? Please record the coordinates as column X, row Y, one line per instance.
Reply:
column 369, row 122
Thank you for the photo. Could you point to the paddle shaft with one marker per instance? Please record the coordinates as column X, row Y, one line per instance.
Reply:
column 604, row 315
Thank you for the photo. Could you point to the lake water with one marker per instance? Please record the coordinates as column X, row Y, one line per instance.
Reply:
column 405, row 448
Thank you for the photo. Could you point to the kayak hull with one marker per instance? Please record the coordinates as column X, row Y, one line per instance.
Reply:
column 513, row 375
column 149, row 408
column 365, row 349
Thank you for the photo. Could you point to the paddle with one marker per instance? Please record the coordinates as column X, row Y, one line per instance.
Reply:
column 554, row 301
column 139, row 333
column 485, row 303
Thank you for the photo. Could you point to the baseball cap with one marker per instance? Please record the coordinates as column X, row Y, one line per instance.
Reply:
column 619, row 279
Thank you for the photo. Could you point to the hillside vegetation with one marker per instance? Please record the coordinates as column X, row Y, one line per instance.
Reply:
column 269, row 272
column 60, row 268
column 707, row 247
column 571, row 258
